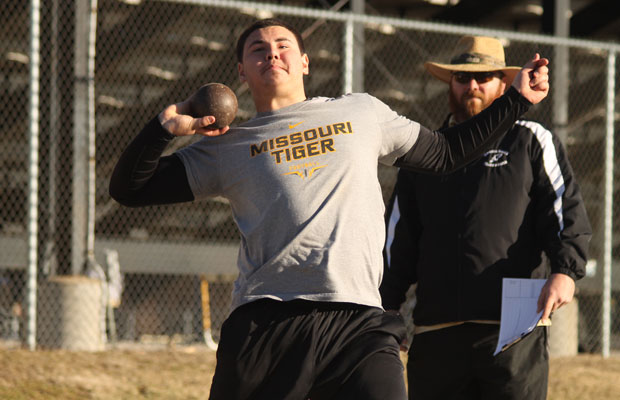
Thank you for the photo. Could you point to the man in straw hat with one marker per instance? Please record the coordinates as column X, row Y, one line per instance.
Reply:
column 457, row 236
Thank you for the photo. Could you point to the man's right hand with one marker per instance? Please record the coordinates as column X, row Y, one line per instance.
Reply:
column 176, row 119
column 533, row 79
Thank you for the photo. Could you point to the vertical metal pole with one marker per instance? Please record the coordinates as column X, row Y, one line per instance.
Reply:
column 80, row 171
column 49, row 247
column 348, row 56
column 91, row 215
column 357, row 67
column 609, row 188
column 33, row 173
column 65, row 85
column 92, row 38
column 560, row 68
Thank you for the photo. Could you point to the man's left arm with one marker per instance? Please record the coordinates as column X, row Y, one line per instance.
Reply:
column 562, row 223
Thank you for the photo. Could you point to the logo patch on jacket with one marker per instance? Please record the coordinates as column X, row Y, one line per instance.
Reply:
column 496, row 158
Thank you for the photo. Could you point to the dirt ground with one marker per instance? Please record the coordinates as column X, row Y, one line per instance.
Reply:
column 184, row 372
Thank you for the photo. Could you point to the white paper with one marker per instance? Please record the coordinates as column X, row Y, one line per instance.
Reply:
column 519, row 316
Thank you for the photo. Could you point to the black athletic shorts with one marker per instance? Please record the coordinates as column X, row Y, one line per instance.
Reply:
column 295, row 350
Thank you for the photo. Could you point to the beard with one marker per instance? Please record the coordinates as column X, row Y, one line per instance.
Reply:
column 470, row 103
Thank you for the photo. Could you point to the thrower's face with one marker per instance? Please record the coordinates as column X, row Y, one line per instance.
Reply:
column 273, row 64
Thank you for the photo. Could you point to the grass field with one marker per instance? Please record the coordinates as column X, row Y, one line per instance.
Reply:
column 185, row 373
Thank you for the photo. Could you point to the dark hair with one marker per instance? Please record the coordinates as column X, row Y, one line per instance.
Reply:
column 264, row 23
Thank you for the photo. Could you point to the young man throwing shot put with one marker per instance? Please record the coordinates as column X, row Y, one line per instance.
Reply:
column 301, row 178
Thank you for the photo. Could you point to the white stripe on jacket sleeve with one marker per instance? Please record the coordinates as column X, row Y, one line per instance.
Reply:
column 551, row 165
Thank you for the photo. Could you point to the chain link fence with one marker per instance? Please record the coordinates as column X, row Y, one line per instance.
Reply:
column 164, row 274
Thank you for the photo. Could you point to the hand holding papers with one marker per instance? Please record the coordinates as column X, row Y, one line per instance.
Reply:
column 519, row 304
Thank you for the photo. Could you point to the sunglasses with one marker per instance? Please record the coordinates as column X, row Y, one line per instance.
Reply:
column 480, row 77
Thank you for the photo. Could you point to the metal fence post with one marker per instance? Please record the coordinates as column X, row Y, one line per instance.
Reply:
column 609, row 188
column 357, row 79
column 33, row 174
column 348, row 56
column 560, row 68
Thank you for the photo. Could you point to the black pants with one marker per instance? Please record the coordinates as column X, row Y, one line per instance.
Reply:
column 458, row 363
column 299, row 349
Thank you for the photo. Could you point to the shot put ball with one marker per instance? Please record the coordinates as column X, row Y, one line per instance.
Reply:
column 217, row 100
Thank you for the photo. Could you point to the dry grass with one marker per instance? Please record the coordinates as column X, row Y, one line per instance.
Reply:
column 585, row 377
column 185, row 373
column 175, row 373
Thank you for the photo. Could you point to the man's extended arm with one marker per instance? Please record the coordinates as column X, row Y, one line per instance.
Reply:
column 451, row 148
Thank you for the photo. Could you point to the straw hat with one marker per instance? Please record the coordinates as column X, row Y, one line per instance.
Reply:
column 474, row 54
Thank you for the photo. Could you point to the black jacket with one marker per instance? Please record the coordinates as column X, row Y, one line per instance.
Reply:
column 458, row 235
